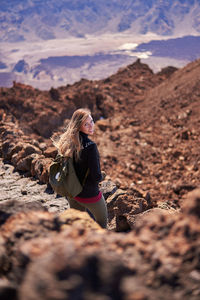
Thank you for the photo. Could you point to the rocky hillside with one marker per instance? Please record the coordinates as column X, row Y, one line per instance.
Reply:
column 147, row 131
column 147, row 125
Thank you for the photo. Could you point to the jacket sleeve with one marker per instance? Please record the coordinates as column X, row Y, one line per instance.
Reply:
column 94, row 164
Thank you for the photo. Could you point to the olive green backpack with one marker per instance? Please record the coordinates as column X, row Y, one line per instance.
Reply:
column 63, row 178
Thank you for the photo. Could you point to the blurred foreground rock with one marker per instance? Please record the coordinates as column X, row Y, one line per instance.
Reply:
column 68, row 256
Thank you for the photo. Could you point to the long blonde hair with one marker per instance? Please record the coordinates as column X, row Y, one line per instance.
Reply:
column 69, row 143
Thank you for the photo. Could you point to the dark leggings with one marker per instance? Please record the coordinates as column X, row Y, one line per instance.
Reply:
column 98, row 209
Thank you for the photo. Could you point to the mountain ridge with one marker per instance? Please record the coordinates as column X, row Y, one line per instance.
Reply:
column 32, row 20
column 93, row 34
column 146, row 123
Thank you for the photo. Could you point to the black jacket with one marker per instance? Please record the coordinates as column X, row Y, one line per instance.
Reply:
column 89, row 159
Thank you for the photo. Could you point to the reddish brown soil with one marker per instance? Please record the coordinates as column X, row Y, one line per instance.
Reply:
column 147, row 125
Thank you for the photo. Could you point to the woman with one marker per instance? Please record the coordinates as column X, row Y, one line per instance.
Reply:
column 75, row 143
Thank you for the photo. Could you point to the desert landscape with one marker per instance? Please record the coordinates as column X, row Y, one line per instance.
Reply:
column 147, row 132
column 50, row 44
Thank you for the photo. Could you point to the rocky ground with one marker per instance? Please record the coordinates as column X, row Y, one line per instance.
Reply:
column 147, row 131
column 16, row 187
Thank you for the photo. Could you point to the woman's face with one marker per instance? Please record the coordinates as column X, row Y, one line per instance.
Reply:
column 87, row 126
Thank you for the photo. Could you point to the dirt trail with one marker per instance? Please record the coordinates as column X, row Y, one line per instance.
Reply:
column 13, row 186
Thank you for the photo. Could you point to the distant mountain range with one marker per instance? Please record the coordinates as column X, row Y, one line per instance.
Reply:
column 48, row 19
column 48, row 43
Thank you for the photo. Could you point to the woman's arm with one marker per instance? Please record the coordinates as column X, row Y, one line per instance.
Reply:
column 94, row 164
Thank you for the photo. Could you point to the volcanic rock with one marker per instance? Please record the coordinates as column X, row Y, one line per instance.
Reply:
column 147, row 133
